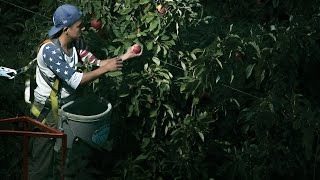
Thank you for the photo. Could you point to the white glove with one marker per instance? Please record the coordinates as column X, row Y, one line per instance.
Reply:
column 7, row 72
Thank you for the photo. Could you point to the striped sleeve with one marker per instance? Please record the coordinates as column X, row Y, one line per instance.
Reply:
column 86, row 56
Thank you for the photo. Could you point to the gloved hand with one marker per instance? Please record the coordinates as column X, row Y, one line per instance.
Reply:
column 7, row 72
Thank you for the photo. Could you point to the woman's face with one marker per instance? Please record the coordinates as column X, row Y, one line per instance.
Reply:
column 75, row 30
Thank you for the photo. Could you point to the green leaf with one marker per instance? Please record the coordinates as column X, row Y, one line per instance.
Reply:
column 145, row 142
column 114, row 73
column 170, row 113
column 166, row 130
column 154, row 132
column 136, row 108
column 153, row 24
column 117, row 32
column 144, row 1
column 158, row 49
column 201, row 135
column 156, row 60
column 149, row 45
column 183, row 65
column 220, row 64
column 235, row 101
column 195, row 101
column 257, row 48
column 153, row 113
column 130, row 110
column 165, row 52
column 150, row 17
column 202, row 116
column 146, row 66
column 193, row 56
column 165, row 75
column 187, row 120
column 249, row 70
column 183, row 87
column 197, row 50
column 169, row 109
column 177, row 28
column 142, row 157
column 230, row 28
column 217, row 79
column 117, row 51
column 124, row 95
column 272, row 36
column 232, row 77
column 262, row 76
column 218, row 53
column 132, row 36
column 125, row 11
column 164, row 37
column 176, row 131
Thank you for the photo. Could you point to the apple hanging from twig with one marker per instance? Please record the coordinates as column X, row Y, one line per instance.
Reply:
column 136, row 48
column 161, row 9
column 96, row 23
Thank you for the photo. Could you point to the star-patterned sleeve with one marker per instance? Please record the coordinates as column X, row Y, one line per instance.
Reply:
column 53, row 58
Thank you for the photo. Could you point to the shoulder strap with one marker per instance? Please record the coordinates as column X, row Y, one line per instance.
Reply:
column 55, row 89
column 52, row 102
column 44, row 42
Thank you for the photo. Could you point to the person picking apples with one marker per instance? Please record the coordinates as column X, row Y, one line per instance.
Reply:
column 57, row 61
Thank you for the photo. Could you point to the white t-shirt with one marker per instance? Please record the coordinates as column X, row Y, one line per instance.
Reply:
column 53, row 63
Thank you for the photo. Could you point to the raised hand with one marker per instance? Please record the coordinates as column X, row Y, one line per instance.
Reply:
column 133, row 51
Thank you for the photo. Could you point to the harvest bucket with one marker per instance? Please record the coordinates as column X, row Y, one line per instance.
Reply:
column 87, row 119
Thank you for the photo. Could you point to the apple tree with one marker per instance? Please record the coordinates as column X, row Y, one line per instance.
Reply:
column 154, row 122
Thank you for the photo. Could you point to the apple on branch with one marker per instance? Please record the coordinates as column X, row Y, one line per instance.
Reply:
column 136, row 48
column 161, row 10
column 96, row 24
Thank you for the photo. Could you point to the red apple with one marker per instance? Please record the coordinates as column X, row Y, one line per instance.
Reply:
column 96, row 24
column 136, row 48
column 162, row 10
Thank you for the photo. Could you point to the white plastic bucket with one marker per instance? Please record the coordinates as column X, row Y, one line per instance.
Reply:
column 87, row 119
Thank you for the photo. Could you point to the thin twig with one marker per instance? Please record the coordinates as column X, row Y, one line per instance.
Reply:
column 25, row 9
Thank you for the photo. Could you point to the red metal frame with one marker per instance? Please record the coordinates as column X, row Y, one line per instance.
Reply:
column 48, row 132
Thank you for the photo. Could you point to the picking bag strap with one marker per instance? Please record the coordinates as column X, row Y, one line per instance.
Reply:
column 40, row 115
column 55, row 89
column 54, row 99
column 50, row 104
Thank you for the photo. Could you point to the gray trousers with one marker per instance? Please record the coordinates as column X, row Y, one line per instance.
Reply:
column 45, row 162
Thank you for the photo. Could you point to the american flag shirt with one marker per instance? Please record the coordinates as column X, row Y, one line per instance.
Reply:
column 54, row 63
